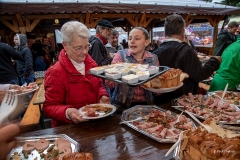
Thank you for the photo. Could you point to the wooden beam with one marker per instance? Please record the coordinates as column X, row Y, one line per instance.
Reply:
column 10, row 26
column 22, row 30
column 28, row 25
column 20, row 20
column 142, row 19
column 81, row 19
column 130, row 20
column 87, row 19
column 147, row 23
column 15, row 25
column 34, row 24
column 54, row 16
column 189, row 22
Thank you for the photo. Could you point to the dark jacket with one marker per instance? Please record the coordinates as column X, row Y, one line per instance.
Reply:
column 223, row 41
column 180, row 55
column 7, row 71
column 98, row 52
column 25, row 66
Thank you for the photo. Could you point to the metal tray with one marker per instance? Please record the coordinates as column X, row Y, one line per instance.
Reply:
column 236, row 102
column 162, row 69
column 21, row 140
column 175, row 103
column 139, row 111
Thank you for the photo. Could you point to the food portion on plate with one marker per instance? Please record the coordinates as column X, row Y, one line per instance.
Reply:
column 78, row 156
column 172, row 78
column 25, row 89
column 199, row 144
column 160, row 125
column 230, row 96
column 205, row 107
column 43, row 147
column 95, row 111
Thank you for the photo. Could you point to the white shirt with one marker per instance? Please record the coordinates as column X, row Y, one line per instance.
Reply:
column 80, row 67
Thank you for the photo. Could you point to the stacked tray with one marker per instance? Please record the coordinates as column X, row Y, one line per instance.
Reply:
column 35, row 154
column 128, row 73
column 143, row 111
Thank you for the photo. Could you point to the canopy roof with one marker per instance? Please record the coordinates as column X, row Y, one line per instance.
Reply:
column 123, row 6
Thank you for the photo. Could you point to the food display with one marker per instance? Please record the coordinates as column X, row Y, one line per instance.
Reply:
column 230, row 96
column 199, row 144
column 158, row 124
column 128, row 73
column 167, row 82
column 95, row 111
column 205, row 107
column 43, row 147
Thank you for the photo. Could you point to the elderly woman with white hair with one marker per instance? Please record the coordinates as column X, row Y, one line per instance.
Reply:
column 68, row 86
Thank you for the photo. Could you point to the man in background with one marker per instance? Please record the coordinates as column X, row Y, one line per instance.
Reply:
column 113, row 46
column 24, row 67
column 8, row 74
column 225, row 38
column 98, row 51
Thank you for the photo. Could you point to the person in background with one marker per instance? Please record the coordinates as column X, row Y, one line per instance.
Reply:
column 48, row 57
column 175, row 53
column 225, row 38
column 68, row 84
column 113, row 46
column 124, row 44
column 24, row 67
column 125, row 96
column 159, row 42
column 39, row 64
column 8, row 74
column 98, row 51
column 237, row 33
column 7, row 139
column 229, row 71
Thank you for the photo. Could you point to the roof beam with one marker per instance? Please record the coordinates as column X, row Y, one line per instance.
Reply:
column 143, row 19
column 20, row 20
column 9, row 25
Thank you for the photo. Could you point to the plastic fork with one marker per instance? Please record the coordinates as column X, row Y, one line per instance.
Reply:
column 221, row 102
column 208, row 128
column 175, row 144
column 137, row 119
column 8, row 105
column 178, row 118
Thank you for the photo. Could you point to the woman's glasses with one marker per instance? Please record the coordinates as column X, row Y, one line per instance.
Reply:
column 80, row 48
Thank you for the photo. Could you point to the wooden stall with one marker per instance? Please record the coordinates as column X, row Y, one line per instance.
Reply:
column 39, row 16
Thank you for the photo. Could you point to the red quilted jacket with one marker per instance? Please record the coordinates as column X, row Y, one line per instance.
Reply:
column 66, row 88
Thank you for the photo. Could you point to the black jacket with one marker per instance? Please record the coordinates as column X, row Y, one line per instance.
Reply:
column 25, row 66
column 180, row 55
column 98, row 51
column 7, row 71
column 223, row 41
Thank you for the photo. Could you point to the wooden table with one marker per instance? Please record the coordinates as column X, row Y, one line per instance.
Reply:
column 106, row 139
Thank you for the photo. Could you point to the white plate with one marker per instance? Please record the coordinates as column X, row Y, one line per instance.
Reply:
column 101, row 115
column 164, row 90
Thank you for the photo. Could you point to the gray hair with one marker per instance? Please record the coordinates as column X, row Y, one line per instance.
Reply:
column 73, row 29
column 115, row 32
column 98, row 28
column 145, row 32
column 174, row 25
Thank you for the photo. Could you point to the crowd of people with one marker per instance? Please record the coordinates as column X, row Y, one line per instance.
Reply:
column 69, row 86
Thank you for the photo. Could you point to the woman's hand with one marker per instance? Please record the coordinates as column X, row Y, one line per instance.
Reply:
column 7, row 140
column 104, row 99
column 74, row 115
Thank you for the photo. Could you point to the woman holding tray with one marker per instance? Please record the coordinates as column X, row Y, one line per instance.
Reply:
column 68, row 86
column 125, row 96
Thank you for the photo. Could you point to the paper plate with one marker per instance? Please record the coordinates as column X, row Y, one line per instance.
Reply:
column 101, row 114
column 164, row 90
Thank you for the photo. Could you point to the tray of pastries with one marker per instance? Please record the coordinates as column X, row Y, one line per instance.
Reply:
column 128, row 73
column 230, row 96
column 205, row 107
column 156, row 123
column 216, row 145
column 169, row 81
column 46, row 147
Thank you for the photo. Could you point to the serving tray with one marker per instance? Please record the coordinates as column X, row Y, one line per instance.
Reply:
column 234, row 100
column 175, row 104
column 162, row 69
column 140, row 111
column 35, row 154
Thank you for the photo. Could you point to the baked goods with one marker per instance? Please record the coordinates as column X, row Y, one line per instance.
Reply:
column 220, row 144
column 171, row 78
column 78, row 156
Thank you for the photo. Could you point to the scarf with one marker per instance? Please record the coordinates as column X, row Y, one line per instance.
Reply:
column 102, row 38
